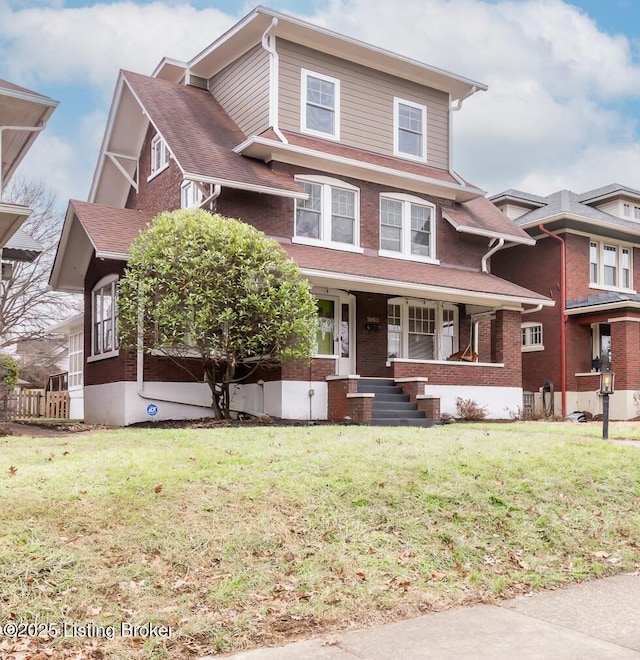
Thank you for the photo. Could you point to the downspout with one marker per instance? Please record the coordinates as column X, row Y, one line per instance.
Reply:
column 563, row 325
column 268, row 43
column 217, row 189
column 31, row 129
column 537, row 308
column 493, row 250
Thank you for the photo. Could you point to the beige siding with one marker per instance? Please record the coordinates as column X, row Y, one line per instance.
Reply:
column 242, row 89
column 366, row 107
column 514, row 211
column 613, row 208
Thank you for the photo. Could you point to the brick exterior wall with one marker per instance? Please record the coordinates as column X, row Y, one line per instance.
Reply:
column 316, row 370
column 625, row 361
column 338, row 406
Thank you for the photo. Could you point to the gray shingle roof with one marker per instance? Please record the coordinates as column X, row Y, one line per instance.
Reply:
column 603, row 298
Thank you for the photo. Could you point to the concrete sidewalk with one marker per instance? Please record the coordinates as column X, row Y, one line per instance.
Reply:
column 597, row 620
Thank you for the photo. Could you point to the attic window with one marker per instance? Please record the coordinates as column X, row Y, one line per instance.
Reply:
column 159, row 155
column 410, row 130
column 320, row 107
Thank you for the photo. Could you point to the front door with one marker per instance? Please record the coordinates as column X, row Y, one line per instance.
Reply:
column 336, row 330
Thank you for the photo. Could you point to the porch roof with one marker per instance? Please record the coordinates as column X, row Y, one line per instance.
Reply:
column 372, row 273
column 605, row 301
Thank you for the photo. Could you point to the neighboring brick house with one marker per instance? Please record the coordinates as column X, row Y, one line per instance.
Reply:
column 342, row 152
column 599, row 232
column 23, row 115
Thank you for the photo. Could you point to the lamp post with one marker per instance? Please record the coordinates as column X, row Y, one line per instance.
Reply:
column 607, row 387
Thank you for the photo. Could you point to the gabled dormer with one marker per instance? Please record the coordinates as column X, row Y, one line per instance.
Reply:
column 614, row 199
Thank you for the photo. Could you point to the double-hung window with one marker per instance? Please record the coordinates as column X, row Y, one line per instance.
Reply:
column 531, row 334
column 330, row 216
column 159, row 155
column 104, row 341
column 610, row 265
column 409, row 130
column 421, row 330
column 320, row 105
column 407, row 227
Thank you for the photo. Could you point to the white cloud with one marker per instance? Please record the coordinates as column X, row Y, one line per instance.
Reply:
column 551, row 115
column 555, row 114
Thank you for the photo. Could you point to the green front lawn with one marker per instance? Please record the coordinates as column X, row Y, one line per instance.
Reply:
column 237, row 537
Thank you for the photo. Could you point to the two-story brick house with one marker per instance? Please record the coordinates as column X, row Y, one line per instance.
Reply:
column 342, row 152
column 591, row 266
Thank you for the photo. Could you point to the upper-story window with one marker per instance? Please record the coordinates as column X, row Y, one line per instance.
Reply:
column 104, row 311
column 636, row 212
column 159, row 155
column 320, row 107
column 409, row 130
column 407, row 227
column 191, row 195
column 531, row 337
column 626, row 209
column 331, row 215
column 610, row 265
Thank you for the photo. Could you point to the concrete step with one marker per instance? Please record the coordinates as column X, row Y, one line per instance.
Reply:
column 397, row 414
column 402, row 422
column 392, row 405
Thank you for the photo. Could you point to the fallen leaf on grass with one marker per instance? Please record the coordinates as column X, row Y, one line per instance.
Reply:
column 157, row 488
column 12, row 470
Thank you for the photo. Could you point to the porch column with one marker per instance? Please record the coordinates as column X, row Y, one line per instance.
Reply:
column 625, row 352
column 508, row 349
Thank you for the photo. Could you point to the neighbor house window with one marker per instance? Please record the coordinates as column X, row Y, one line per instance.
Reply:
column 636, row 212
column 159, row 155
column 627, row 209
column 191, row 195
column 421, row 330
column 407, row 227
column 410, row 130
column 320, row 106
column 610, row 265
column 531, row 337
column 104, row 317
column 330, row 215
column 76, row 349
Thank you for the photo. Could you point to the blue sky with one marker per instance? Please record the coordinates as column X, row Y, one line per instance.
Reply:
column 562, row 109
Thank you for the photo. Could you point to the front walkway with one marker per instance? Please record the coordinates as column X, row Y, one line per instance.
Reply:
column 598, row 619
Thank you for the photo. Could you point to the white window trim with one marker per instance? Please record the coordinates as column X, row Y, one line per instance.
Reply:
column 405, row 254
column 529, row 347
column 166, row 157
column 304, row 75
column 78, row 353
column 101, row 284
column 327, row 184
column 405, row 303
column 396, row 130
column 619, row 247
column 191, row 190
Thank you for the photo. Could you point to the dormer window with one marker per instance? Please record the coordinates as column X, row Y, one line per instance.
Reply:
column 159, row 155
column 410, row 130
column 320, row 107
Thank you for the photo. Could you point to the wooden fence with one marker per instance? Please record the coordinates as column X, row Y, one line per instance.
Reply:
column 35, row 403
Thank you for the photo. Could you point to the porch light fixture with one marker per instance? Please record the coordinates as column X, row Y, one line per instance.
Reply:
column 607, row 382
column 607, row 387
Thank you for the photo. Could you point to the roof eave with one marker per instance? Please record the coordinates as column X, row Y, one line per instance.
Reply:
column 242, row 185
column 580, row 218
column 268, row 150
column 248, row 32
column 464, row 229
column 403, row 288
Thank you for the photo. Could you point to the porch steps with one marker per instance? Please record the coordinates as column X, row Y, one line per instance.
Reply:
column 390, row 407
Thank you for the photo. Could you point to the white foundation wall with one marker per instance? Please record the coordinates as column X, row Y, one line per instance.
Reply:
column 283, row 399
column 500, row 402
column 119, row 404
column 76, row 403
column 621, row 404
